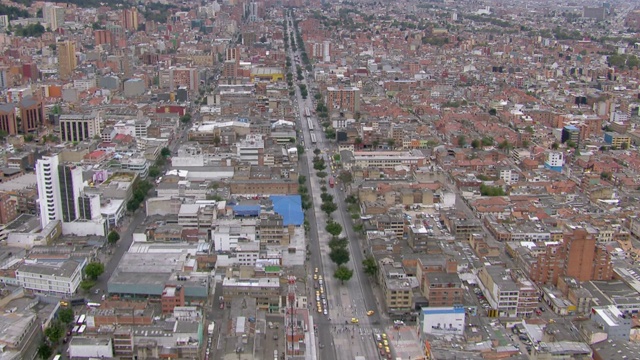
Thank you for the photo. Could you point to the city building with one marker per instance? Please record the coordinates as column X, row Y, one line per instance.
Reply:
column 8, row 119
column 555, row 161
column 508, row 293
column 265, row 291
column 67, row 61
column 129, row 19
column 570, row 133
column 79, row 127
column 90, row 347
column 53, row 15
column 341, row 99
column 617, row 140
column 583, row 259
column 32, row 114
column 56, row 279
column 616, row 324
column 59, row 188
column 397, row 289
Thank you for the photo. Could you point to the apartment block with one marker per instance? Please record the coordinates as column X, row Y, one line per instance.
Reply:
column 343, row 99
column 58, row 279
column 396, row 287
column 79, row 127
column 511, row 294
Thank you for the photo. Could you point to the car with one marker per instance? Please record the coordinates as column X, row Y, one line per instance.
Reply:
column 385, row 342
column 354, row 320
column 326, row 312
column 316, row 270
column 380, row 345
column 370, row 312
column 320, row 310
column 378, row 337
column 315, row 277
column 319, row 277
column 384, row 336
column 387, row 350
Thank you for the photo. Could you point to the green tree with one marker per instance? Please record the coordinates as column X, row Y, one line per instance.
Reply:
column 326, row 197
column 345, row 177
column 624, row 146
column 462, row 141
column 28, row 138
column 319, row 165
column 555, row 146
column 336, row 242
column 605, row 175
column 321, row 174
column 528, row 129
column 370, row 266
column 343, row 274
column 93, row 270
column 339, row 256
column 186, row 118
column 487, row 141
column 316, row 151
column 328, row 207
column 165, row 152
column 333, row 228
column 54, row 332
column 486, row 190
column 475, row 143
column 300, row 149
column 493, row 112
column 391, row 142
column 44, row 351
column 302, row 179
column 525, row 143
column 66, row 315
column 336, row 157
column 113, row 237
column 86, row 284
column 154, row 172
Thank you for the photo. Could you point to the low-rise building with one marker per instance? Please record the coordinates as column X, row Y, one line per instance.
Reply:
column 57, row 279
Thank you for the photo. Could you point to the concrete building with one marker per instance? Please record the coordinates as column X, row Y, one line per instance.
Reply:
column 251, row 149
column 79, row 127
column 90, row 347
column 32, row 114
column 266, row 291
column 616, row 324
column 341, row 99
column 56, row 279
column 583, row 259
column 386, row 159
column 59, row 187
column 617, row 140
column 8, row 119
column 134, row 87
column 67, row 61
column 508, row 293
column 555, row 161
column 53, row 15
column 397, row 289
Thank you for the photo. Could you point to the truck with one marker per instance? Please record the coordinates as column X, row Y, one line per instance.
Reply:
column 211, row 328
column 331, row 181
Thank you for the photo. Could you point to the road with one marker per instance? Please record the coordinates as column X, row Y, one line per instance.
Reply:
column 337, row 336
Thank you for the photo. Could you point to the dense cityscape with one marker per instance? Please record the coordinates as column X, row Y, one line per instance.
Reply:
column 315, row 180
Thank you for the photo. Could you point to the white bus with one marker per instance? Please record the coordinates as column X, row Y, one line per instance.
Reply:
column 75, row 329
column 211, row 328
column 57, row 357
column 82, row 329
column 93, row 304
column 81, row 319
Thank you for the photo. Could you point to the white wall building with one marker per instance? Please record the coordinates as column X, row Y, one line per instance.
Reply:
column 250, row 148
column 61, row 278
column 59, row 187
column 89, row 347
column 79, row 127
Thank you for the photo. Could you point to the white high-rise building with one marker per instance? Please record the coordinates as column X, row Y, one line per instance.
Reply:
column 53, row 15
column 59, row 188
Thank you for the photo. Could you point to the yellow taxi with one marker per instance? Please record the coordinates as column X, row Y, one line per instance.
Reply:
column 370, row 312
column 354, row 320
column 315, row 276
column 387, row 350
column 379, row 345
column 384, row 336
column 385, row 342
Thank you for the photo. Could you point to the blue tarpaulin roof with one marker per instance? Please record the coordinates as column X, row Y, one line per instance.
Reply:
column 289, row 207
column 246, row 210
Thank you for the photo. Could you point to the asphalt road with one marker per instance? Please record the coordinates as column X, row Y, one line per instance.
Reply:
column 337, row 336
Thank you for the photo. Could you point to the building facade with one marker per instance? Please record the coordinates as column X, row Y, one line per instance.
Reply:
column 79, row 127
column 61, row 279
column 67, row 62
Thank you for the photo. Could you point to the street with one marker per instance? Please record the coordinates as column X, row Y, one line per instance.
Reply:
column 355, row 297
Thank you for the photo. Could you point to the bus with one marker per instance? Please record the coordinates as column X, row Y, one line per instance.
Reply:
column 307, row 113
column 81, row 319
column 75, row 329
column 57, row 357
column 313, row 138
column 82, row 329
column 93, row 304
column 75, row 321
column 77, row 301
column 310, row 122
